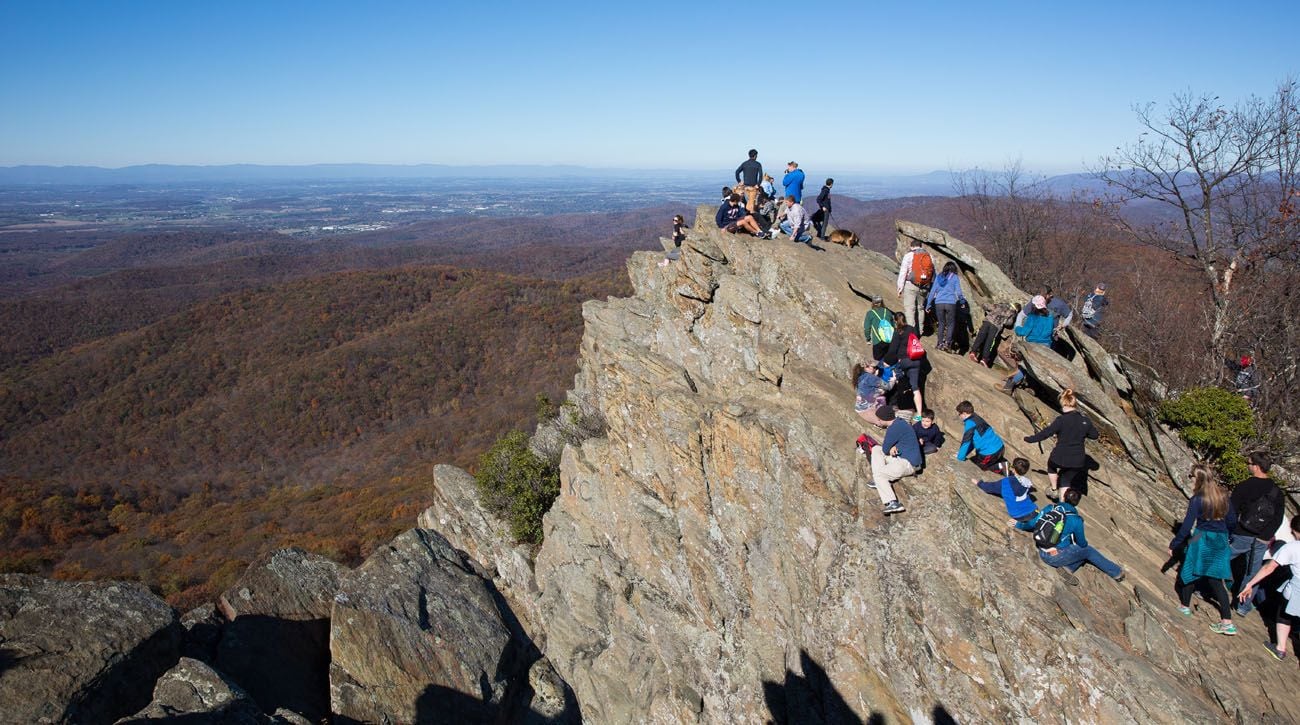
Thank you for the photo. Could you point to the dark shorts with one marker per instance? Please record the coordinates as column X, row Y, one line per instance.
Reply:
column 733, row 228
column 1068, row 477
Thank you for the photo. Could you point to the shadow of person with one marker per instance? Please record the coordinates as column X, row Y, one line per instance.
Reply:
column 810, row 699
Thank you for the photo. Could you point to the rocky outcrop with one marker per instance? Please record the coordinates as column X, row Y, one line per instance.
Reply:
column 277, row 641
column 716, row 556
column 193, row 692
column 80, row 652
column 417, row 636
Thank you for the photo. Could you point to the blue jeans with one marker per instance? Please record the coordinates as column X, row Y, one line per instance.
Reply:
column 788, row 229
column 1247, row 545
column 1072, row 556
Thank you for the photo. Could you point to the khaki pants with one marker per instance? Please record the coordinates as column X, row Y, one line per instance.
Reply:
column 914, row 306
column 887, row 469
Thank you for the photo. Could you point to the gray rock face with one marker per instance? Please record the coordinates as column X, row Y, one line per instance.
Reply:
column 277, row 641
column 193, row 692
column 417, row 636
column 80, row 652
column 717, row 557
column 203, row 626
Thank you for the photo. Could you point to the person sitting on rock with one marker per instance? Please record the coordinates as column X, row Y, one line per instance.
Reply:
column 878, row 326
column 1068, row 461
column 679, row 236
column 944, row 297
column 997, row 317
column 796, row 224
column 1014, row 489
column 869, row 386
column 897, row 456
column 1038, row 324
column 1208, row 557
column 979, row 442
column 928, row 433
column 1061, row 541
column 733, row 219
column 897, row 357
column 1288, row 615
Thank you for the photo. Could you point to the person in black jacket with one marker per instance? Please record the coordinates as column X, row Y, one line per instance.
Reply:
column 1068, row 463
column 821, row 218
column 1260, row 506
column 896, row 356
column 750, row 173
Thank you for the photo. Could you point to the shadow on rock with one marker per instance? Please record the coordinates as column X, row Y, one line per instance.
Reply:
column 810, row 699
column 282, row 663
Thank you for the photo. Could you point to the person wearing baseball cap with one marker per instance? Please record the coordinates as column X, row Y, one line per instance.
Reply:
column 898, row 456
column 1039, row 323
column 1094, row 308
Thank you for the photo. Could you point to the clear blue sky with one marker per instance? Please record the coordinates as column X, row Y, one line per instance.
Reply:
column 861, row 86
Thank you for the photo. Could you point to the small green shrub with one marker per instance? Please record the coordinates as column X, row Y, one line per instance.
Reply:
column 1216, row 424
column 517, row 486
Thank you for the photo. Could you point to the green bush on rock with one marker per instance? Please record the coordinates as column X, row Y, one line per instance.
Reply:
column 517, row 486
column 1216, row 424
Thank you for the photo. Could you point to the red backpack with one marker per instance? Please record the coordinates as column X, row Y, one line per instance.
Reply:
column 914, row 349
column 922, row 268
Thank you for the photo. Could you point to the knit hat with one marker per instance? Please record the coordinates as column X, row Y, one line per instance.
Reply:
column 885, row 412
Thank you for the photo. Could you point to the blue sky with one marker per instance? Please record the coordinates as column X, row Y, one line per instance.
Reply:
column 856, row 86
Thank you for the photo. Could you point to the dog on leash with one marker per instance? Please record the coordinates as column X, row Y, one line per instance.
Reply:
column 845, row 237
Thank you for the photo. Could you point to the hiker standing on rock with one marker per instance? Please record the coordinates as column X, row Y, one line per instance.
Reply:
column 793, row 181
column 1260, row 507
column 1289, row 615
column 1094, row 309
column 878, row 326
column 821, row 218
column 915, row 276
column 750, row 174
column 1211, row 515
column 1067, row 465
column 1058, row 534
column 945, row 295
column 897, row 456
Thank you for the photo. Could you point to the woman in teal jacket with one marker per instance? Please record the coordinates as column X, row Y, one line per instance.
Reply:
column 1039, row 323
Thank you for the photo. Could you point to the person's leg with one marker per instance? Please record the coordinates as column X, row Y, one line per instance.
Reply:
column 910, row 292
column 947, row 324
column 786, row 228
column 981, row 341
column 880, row 475
column 1094, row 557
column 914, row 379
column 751, row 224
column 878, row 349
column 1219, row 593
column 1185, row 590
column 1257, row 550
column 751, row 196
column 1284, row 623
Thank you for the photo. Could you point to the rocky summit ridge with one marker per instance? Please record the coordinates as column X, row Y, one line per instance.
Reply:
column 715, row 555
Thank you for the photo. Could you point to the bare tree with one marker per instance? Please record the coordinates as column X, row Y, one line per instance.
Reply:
column 1015, row 215
column 1229, row 177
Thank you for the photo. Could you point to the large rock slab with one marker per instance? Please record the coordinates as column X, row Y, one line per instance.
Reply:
column 276, row 644
column 418, row 636
column 81, row 652
column 192, row 692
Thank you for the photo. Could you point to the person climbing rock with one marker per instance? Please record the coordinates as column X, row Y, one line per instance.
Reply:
column 1068, row 461
column 1260, row 506
column 1094, row 309
column 1014, row 489
column 750, row 174
column 915, row 276
column 997, row 317
column 945, row 295
column 1207, row 562
column 1059, row 536
column 822, row 217
column 1038, row 323
column 878, row 326
column 1289, row 614
column 898, row 357
column 979, row 442
column 899, row 455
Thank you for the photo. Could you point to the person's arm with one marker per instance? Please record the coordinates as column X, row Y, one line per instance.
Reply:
column 1231, row 519
column 719, row 218
column 961, row 296
column 1189, row 520
column 738, row 170
column 1074, row 523
column 1052, row 429
column 967, row 443
column 1092, row 432
column 1264, row 572
column 1021, row 316
column 990, row 487
column 929, row 297
column 893, row 436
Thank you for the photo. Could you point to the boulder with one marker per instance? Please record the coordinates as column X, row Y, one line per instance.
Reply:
column 80, row 652
column 192, row 692
column 276, row 644
column 417, row 636
column 203, row 626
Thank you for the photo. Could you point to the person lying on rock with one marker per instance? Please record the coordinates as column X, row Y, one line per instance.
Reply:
column 898, row 456
column 870, row 388
column 1208, row 559
column 1289, row 615
column 1014, row 489
column 1068, row 461
column 928, row 433
column 979, row 442
column 1059, row 536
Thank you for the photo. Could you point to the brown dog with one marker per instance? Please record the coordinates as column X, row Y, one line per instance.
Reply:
column 845, row 237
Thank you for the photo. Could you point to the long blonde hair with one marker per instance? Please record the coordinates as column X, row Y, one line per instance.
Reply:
column 1214, row 497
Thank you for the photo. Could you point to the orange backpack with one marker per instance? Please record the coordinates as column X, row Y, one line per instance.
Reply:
column 922, row 268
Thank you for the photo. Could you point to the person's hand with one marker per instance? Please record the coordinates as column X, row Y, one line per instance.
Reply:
column 975, row 481
column 1052, row 551
column 900, row 293
column 893, row 451
column 1245, row 593
column 1170, row 552
column 1027, row 439
column 1011, row 523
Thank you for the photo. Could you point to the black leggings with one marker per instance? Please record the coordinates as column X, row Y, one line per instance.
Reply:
column 985, row 346
column 1218, row 592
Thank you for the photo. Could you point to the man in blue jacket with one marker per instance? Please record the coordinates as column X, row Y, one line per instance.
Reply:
column 898, row 456
column 1071, row 550
column 793, row 181
column 979, row 441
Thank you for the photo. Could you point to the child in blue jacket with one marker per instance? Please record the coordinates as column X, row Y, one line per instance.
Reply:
column 979, row 442
column 1014, row 490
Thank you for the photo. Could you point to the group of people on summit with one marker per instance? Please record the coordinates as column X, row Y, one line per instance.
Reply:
column 754, row 207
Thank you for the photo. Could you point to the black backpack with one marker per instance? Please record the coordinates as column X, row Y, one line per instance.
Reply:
column 1260, row 516
column 1048, row 528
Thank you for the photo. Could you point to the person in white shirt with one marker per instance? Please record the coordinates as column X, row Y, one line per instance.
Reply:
column 1289, row 556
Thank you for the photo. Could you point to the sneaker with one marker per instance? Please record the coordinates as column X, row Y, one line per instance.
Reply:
column 872, row 485
column 1119, row 578
column 1278, row 654
column 664, row 263
column 916, row 418
column 894, row 507
column 1185, row 611
column 1221, row 628
column 1069, row 577
column 1244, row 610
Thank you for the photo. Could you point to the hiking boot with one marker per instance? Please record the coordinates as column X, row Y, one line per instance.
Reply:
column 894, row 507
column 1119, row 578
column 1221, row 628
column 1069, row 577
column 1278, row 654
column 871, row 484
